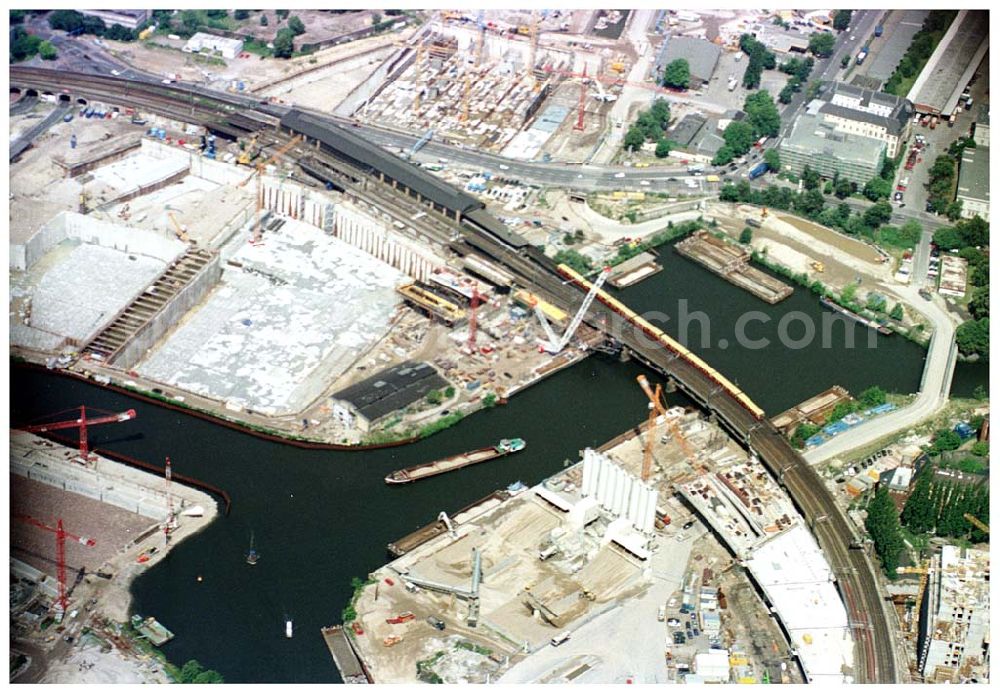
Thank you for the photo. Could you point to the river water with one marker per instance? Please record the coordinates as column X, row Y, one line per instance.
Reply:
column 321, row 518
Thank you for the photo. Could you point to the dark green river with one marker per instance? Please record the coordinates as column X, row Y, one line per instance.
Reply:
column 321, row 518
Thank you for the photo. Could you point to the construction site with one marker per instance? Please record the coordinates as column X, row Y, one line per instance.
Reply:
column 82, row 528
column 647, row 536
column 479, row 83
column 244, row 289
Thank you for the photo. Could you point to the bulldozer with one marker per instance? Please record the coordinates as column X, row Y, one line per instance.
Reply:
column 249, row 153
column 818, row 266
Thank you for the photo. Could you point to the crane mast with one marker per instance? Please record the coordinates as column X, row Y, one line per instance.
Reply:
column 61, row 535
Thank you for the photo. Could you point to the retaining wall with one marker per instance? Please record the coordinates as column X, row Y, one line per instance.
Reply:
column 170, row 315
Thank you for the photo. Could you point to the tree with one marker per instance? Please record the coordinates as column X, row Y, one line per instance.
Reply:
column 875, row 302
column 762, row 114
column 263, row 19
column 677, row 74
column 845, row 61
column 190, row 670
column 811, row 203
column 878, row 214
column 897, row 312
column 240, row 15
column 284, row 43
column 746, row 235
column 843, row 188
column 434, row 397
column 872, row 396
column 842, row 19
column 739, row 137
column 575, row 260
column 296, row 25
column 633, row 139
column 981, row 449
column 23, row 45
column 17, row 16
column 877, row 189
column 973, row 337
column 821, row 44
column 281, row 14
column 919, row 515
column 216, row 14
column 979, row 305
column 209, row 676
column 810, row 178
column 47, row 51
column 376, row 18
column 787, row 92
column 849, row 292
column 116, row 32
column 882, row 524
column 67, row 20
column 449, row 391
column 773, row 159
column 946, row 441
column 663, row 147
column 723, row 156
column 954, row 210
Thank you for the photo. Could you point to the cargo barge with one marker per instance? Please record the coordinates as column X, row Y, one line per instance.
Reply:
column 870, row 323
column 440, row 466
column 152, row 630
column 733, row 264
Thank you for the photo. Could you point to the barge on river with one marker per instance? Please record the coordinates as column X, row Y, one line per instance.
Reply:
column 440, row 466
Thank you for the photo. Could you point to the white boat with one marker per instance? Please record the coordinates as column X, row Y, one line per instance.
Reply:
column 288, row 628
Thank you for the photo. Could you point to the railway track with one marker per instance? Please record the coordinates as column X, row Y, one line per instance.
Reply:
column 875, row 658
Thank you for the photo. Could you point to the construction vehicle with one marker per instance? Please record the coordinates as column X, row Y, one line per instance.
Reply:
column 82, row 422
column 180, row 229
column 249, row 153
column 259, row 173
column 982, row 526
column 818, row 266
column 61, row 536
column 147, row 32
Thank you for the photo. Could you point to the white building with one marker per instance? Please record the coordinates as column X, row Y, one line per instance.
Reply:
column 954, row 633
column 227, row 48
column 866, row 113
column 130, row 19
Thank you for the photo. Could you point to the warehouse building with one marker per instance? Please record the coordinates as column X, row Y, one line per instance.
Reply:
column 130, row 19
column 867, row 113
column 951, row 66
column 954, row 633
column 364, row 404
column 820, row 145
column 227, row 48
column 702, row 56
column 974, row 182
column 782, row 40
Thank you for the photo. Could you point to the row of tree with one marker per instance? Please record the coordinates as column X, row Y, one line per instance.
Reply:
column 760, row 59
column 969, row 237
column 921, row 47
column 799, row 69
column 762, row 120
column 811, row 204
column 939, row 505
column 882, row 525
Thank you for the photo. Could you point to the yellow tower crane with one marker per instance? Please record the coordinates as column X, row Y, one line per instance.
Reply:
column 923, row 571
column 658, row 407
column 983, row 527
column 259, row 173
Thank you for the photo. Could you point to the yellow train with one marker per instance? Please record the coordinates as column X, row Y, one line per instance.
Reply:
column 663, row 339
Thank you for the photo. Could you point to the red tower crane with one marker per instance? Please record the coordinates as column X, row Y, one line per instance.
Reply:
column 583, row 99
column 61, row 536
column 473, row 321
column 82, row 422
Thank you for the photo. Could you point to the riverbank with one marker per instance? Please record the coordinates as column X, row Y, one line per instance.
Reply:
column 284, row 429
column 124, row 510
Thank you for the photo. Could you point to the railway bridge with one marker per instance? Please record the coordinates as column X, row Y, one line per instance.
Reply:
column 473, row 230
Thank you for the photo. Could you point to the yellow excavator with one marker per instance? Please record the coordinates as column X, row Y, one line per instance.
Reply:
column 249, row 153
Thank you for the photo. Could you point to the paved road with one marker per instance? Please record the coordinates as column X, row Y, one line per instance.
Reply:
column 23, row 141
column 939, row 367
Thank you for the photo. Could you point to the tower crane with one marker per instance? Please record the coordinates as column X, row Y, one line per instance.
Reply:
column 61, row 536
column 923, row 571
column 473, row 320
column 259, row 173
column 983, row 527
column 647, row 456
column 82, row 422
column 654, row 398
column 556, row 344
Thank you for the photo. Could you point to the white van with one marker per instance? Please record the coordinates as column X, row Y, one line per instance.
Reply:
column 560, row 639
